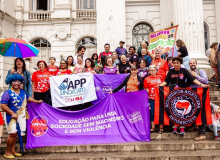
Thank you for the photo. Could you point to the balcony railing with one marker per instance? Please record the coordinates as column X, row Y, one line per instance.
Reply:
column 86, row 14
column 39, row 15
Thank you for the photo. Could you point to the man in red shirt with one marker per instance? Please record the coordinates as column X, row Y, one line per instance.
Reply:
column 104, row 54
column 161, row 65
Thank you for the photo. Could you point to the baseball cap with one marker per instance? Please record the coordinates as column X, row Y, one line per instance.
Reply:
column 122, row 42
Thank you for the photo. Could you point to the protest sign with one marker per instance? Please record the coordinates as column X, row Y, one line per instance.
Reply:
column 120, row 117
column 182, row 106
column 104, row 83
column 68, row 90
column 163, row 39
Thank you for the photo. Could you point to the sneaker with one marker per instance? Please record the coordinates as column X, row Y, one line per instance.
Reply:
column 200, row 138
column 175, row 131
column 216, row 138
column 182, row 131
column 217, row 85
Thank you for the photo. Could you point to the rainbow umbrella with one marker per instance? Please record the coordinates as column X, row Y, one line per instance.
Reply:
column 11, row 47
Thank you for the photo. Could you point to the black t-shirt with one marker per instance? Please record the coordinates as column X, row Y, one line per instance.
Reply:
column 124, row 68
column 184, row 52
column 133, row 58
column 183, row 75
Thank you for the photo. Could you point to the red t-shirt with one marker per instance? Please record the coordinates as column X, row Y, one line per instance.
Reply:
column 52, row 70
column 162, row 67
column 150, row 83
column 105, row 54
column 41, row 80
column 59, row 73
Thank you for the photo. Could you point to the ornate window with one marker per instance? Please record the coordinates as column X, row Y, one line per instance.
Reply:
column 41, row 43
column 206, row 37
column 90, row 44
column 140, row 33
column 87, row 4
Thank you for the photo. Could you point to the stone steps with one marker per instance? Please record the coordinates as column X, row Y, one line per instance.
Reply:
column 152, row 146
column 162, row 155
column 190, row 135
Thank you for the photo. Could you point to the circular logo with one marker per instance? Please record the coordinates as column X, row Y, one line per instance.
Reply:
column 39, row 126
column 182, row 106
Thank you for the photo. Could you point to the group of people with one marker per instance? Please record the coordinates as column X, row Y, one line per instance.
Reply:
column 147, row 71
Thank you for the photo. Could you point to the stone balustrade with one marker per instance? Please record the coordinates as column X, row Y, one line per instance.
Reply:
column 39, row 15
column 86, row 14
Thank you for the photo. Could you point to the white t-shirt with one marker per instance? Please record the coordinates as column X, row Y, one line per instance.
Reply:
column 75, row 60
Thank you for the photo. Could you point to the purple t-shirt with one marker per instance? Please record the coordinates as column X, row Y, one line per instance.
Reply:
column 113, row 70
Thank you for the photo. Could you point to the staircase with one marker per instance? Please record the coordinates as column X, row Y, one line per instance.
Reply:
column 166, row 146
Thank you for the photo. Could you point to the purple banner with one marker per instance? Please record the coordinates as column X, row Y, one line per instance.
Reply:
column 120, row 117
column 104, row 83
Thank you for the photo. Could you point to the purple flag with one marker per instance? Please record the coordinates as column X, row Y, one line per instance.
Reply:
column 120, row 117
column 104, row 83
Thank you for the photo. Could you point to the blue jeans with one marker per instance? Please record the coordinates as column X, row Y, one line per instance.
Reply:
column 186, row 62
column 215, row 129
column 151, row 102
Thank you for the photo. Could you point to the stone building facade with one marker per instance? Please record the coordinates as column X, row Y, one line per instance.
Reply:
column 58, row 27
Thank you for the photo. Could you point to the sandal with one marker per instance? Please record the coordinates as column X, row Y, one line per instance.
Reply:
column 161, row 131
column 152, row 130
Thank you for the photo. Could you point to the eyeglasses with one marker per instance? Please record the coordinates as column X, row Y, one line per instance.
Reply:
column 16, row 82
column 152, row 70
column 62, row 63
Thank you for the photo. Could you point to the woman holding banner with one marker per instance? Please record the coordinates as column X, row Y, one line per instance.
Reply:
column 150, row 83
column 177, row 77
column 14, row 102
column 40, row 83
column 70, row 63
column 110, row 69
column 132, row 82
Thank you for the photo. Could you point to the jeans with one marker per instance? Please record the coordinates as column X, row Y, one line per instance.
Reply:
column 202, row 129
column 151, row 102
column 186, row 62
column 215, row 129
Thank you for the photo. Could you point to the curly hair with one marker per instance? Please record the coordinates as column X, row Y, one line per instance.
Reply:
column 15, row 77
column 177, row 59
column 90, row 60
column 180, row 43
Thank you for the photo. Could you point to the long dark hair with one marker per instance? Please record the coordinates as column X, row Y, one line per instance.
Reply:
column 24, row 65
column 92, row 63
column 94, row 55
column 67, row 60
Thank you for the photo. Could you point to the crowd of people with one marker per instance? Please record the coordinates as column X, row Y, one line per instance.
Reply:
column 146, row 71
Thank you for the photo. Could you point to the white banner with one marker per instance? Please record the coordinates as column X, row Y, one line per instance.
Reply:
column 69, row 90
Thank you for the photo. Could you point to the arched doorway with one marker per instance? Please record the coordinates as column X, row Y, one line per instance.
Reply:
column 44, row 47
column 90, row 44
column 140, row 33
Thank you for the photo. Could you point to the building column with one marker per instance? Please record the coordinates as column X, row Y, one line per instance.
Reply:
column 188, row 14
column 166, row 13
column 217, row 15
column 110, row 23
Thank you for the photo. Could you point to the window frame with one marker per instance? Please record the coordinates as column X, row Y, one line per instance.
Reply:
column 81, row 4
